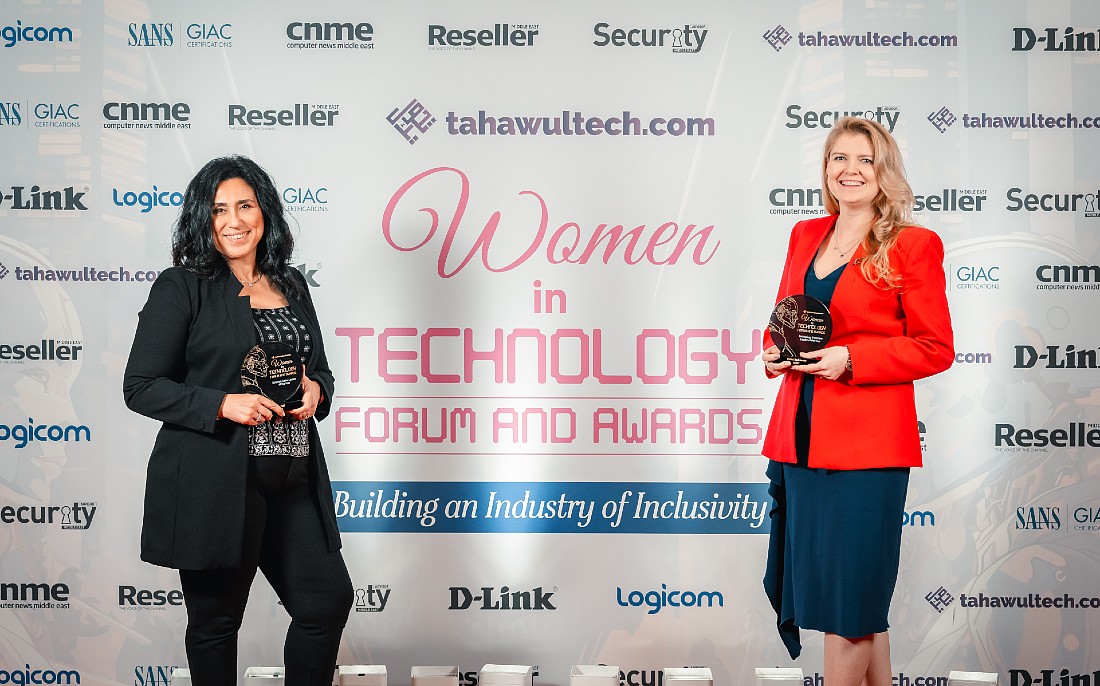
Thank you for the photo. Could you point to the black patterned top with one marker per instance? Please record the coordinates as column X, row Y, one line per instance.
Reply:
column 281, row 435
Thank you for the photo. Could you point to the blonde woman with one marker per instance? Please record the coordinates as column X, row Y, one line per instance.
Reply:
column 843, row 433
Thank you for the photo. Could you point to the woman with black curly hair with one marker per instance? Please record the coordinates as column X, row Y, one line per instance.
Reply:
column 236, row 482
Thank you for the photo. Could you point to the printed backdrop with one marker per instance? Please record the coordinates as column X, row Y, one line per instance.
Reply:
column 543, row 240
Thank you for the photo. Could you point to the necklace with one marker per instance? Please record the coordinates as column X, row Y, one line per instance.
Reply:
column 250, row 285
column 847, row 248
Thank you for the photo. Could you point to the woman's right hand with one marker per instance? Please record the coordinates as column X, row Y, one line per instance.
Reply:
column 250, row 409
column 770, row 357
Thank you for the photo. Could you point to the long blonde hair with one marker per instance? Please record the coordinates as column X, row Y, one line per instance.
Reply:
column 893, row 205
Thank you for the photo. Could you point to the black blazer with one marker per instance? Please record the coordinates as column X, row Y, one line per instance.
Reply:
column 191, row 337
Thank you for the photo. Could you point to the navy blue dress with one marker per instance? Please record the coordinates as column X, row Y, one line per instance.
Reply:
column 836, row 534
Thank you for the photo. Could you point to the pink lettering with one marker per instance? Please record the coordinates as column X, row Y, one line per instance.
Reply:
column 670, row 356
column 559, row 425
column 381, row 425
column 385, row 355
column 560, row 356
column 689, row 425
column 354, row 333
column 667, row 244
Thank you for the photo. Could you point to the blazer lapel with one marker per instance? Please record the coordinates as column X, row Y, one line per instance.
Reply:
column 807, row 250
column 238, row 310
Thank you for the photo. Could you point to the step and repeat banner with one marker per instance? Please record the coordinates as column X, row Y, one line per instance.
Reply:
column 543, row 240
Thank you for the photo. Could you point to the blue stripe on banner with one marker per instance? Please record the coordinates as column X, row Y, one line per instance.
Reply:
column 552, row 507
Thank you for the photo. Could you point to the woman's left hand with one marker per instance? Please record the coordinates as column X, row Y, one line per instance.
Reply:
column 831, row 362
column 311, row 396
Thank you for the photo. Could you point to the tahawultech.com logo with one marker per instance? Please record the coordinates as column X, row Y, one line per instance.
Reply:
column 942, row 119
column 777, row 37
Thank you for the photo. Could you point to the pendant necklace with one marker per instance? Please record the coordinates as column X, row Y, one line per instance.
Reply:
column 848, row 248
column 250, row 285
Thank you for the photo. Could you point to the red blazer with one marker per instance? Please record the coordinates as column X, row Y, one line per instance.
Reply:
column 868, row 418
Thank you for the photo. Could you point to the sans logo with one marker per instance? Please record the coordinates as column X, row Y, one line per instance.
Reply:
column 1039, row 518
column 150, row 35
column 153, row 675
column 11, row 114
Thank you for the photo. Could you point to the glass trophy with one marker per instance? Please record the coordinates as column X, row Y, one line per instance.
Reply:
column 799, row 323
column 274, row 371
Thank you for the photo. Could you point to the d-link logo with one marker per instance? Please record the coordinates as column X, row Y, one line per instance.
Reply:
column 1056, row 357
column 37, row 199
column 1022, row 677
column 1024, row 39
column 506, row 599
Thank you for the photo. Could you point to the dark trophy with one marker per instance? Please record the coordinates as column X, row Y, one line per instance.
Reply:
column 274, row 371
column 799, row 324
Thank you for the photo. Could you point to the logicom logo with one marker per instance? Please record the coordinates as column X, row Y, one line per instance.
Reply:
column 658, row 600
column 13, row 35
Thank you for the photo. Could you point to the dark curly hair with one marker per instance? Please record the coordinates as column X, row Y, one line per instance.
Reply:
column 193, row 235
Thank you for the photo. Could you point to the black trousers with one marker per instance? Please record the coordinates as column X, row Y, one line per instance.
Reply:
column 283, row 539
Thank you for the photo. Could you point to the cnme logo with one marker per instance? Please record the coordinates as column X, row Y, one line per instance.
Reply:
column 1068, row 273
column 33, row 593
column 330, row 31
column 146, row 111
